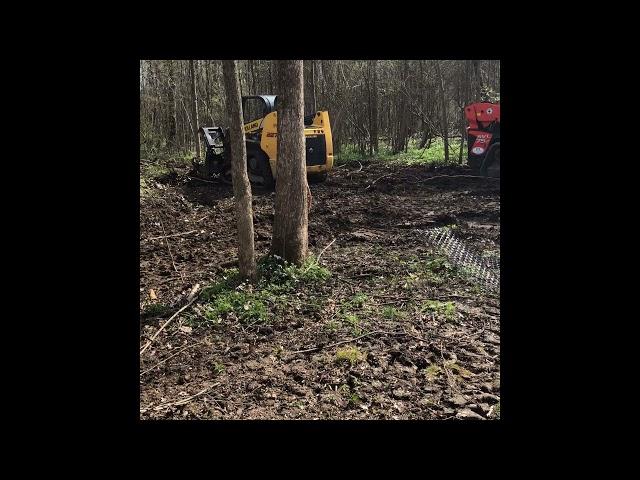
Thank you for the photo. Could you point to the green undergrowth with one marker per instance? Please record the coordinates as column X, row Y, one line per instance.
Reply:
column 154, row 166
column 445, row 309
column 351, row 312
column 155, row 310
column 434, row 270
column 434, row 155
column 230, row 297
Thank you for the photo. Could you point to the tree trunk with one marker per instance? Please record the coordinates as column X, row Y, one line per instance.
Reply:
column 290, row 229
column 445, row 116
column 194, row 102
column 462, row 134
column 313, row 86
column 241, row 186
column 253, row 77
column 478, row 80
column 374, row 109
column 173, row 115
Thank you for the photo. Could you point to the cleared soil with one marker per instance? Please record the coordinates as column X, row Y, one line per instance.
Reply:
column 417, row 362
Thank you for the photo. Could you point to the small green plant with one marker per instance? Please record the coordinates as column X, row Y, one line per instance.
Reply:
column 391, row 313
column 279, row 276
column 153, row 171
column 313, row 272
column 447, row 309
column 230, row 280
column 463, row 372
column 217, row 368
column 353, row 320
column 438, row 264
column 155, row 310
column 350, row 354
column 358, row 300
column 432, row 372
column 248, row 307
column 354, row 399
column 465, row 272
column 332, row 325
column 145, row 189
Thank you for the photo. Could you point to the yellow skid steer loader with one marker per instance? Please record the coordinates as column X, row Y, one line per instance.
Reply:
column 261, row 132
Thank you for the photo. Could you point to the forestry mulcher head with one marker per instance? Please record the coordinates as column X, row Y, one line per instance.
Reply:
column 215, row 159
column 261, row 133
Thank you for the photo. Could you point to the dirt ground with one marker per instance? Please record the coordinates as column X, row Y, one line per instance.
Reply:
column 414, row 362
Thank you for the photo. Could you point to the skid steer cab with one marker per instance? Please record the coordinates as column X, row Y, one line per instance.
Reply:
column 261, row 133
column 483, row 132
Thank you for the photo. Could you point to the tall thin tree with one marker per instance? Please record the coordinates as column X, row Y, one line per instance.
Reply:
column 290, row 228
column 373, row 147
column 444, row 114
column 194, row 107
column 241, row 186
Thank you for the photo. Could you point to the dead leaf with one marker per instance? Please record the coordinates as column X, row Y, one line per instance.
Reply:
column 152, row 295
column 186, row 329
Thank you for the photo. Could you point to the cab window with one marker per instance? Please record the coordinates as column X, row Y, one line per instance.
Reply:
column 253, row 109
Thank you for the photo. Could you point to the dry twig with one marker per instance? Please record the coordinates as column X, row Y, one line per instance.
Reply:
column 170, row 254
column 192, row 298
column 323, row 250
column 167, row 236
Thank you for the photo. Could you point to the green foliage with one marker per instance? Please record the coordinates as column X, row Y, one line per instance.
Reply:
column 358, row 300
column 432, row 372
column 438, row 265
column 391, row 313
column 332, row 325
column 249, row 303
column 247, row 306
column 447, row 309
column 145, row 189
column 349, row 354
column 279, row 276
column 155, row 310
column 353, row 320
column 463, row 372
column 230, row 280
column 217, row 368
column 434, row 155
column 154, row 170
column 434, row 270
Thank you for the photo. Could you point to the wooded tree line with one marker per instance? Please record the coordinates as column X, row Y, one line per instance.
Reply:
column 369, row 101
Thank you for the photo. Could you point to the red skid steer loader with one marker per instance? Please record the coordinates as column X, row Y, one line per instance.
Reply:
column 483, row 133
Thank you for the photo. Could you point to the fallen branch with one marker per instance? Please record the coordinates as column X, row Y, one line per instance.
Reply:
column 201, row 179
column 323, row 250
column 170, row 254
column 180, row 402
column 172, row 235
column 170, row 357
column 377, row 179
column 192, row 298
column 457, row 176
